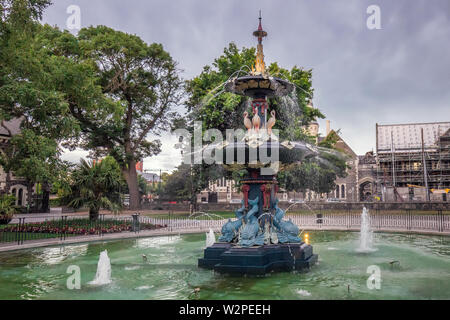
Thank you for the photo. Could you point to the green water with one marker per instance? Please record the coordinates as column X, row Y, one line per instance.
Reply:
column 171, row 272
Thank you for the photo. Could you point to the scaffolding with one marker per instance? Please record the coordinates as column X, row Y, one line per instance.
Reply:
column 421, row 164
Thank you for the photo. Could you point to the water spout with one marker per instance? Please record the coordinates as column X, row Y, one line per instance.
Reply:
column 366, row 234
column 210, row 238
column 103, row 275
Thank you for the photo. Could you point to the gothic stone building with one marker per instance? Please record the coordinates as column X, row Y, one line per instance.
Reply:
column 9, row 183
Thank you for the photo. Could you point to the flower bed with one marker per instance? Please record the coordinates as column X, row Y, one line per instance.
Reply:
column 79, row 227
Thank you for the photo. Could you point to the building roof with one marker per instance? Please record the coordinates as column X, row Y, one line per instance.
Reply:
column 407, row 137
column 368, row 158
column 341, row 144
column 12, row 126
column 150, row 177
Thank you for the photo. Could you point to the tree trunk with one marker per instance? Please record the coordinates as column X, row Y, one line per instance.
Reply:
column 93, row 214
column 193, row 204
column 130, row 175
column 45, row 197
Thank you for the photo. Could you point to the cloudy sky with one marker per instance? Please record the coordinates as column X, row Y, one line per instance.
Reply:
column 397, row 74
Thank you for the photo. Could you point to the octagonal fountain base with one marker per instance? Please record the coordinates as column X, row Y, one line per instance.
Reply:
column 232, row 259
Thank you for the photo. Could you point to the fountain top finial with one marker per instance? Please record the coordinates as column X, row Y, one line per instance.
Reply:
column 260, row 18
column 260, row 67
column 260, row 33
column 259, row 84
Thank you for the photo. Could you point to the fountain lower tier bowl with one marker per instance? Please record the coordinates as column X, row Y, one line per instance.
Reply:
column 259, row 86
column 231, row 259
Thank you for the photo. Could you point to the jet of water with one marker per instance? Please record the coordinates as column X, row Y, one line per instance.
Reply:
column 210, row 238
column 366, row 234
column 103, row 275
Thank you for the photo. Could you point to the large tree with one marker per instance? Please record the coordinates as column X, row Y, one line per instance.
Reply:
column 27, row 91
column 139, row 85
column 208, row 103
column 186, row 181
column 103, row 90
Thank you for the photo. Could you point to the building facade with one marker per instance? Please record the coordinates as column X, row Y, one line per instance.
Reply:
column 413, row 161
column 22, row 189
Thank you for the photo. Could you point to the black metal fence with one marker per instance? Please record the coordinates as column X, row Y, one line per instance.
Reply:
column 61, row 227
column 434, row 221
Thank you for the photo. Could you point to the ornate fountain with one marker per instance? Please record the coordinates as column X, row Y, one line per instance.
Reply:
column 259, row 241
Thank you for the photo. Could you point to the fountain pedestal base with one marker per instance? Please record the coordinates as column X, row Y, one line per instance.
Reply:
column 232, row 259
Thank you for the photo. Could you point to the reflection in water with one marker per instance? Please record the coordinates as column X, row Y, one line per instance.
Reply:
column 157, row 242
column 303, row 293
column 56, row 255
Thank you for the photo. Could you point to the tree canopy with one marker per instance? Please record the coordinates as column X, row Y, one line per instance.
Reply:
column 186, row 181
column 120, row 91
column 208, row 103
column 101, row 90
column 95, row 186
column 28, row 91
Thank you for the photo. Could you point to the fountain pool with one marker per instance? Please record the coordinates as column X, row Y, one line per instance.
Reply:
column 171, row 272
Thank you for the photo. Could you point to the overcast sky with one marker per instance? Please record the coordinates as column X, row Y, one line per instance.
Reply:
column 397, row 74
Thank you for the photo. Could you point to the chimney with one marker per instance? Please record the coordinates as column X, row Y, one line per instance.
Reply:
column 328, row 127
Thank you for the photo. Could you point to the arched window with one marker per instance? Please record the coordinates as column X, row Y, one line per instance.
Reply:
column 20, row 197
column 343, row 191
column 337, row 191
column 13, row 192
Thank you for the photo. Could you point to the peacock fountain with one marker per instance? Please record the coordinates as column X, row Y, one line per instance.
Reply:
column 260, row 241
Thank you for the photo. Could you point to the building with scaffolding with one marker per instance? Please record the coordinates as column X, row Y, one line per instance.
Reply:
column 413, row 161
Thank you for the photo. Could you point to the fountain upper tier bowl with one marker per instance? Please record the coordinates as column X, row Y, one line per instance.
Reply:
column 246, row 152
column 259, row 86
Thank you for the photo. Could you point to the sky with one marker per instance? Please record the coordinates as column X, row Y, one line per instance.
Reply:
column 399, row 73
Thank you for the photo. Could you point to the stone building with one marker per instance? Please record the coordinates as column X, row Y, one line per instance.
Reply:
column 22, row 189
column 367, row 177
column 220, row 191
column 346, row 188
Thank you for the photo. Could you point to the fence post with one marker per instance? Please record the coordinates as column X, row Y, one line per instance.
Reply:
column 17, row 232
column 65, row 226
column 21, row 227
column 135, row 226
